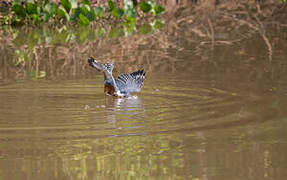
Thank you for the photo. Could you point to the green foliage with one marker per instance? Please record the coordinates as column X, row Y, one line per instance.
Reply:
column 111, row 5
column 99, row 11
column 158, row 9
column 130, row 11
column 51, row 9
column 86, row 14
column 74, row 4
column 130, row 15
column 117, row 12
column 31, row 8
column 36, row 18
column 19, row 10
column 145, row 7
column 87, row 2
column 72, row 11
column 67, row 34
column 85, row 9
column 83, row 20
column 66, row 4
column 113, row 10
column 91, row 15
column 63, row 13
column 129, row 29
column 27, row 41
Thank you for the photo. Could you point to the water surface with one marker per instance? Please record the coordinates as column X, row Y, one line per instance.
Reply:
column 206, row 111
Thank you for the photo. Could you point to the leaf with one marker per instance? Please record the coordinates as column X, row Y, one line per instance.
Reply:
column 128, row 4
column 152, row 3
column 131, row 14
column 87, row 2
column 19, row 10
column 91, row 15
column 99, row 11
column 46, row 17
column 66, row 4
column 76, row 13
column 83, row 20
column 85, row 9
column 36, row 18
column 112, row 5
column 117, row 12
column 145, row 7
column 130, row 19
column 120, row 12
column 51, row 8
column 39, row 10
column 31, row 8
column 63, row 13
column 74, row 4
column 158, row 9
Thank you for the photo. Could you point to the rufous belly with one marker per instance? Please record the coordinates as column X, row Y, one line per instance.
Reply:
column 109, row 89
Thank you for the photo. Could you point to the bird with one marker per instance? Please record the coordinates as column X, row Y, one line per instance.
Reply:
column 124, row 84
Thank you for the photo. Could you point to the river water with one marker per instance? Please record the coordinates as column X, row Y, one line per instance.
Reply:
column 212, row 107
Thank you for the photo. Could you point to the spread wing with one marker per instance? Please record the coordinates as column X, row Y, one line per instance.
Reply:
column 128, row 83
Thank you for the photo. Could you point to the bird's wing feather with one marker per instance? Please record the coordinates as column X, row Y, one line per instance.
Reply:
column 131, row 82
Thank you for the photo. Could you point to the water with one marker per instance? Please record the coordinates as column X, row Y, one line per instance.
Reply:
column 206, row 111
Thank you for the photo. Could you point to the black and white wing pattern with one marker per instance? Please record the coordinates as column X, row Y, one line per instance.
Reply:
column 129, row 83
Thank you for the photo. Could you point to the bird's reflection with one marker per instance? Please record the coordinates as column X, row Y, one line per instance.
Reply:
column 127, row 108
column 127, row 105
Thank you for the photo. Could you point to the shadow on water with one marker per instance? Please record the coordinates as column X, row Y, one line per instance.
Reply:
column 215, row 94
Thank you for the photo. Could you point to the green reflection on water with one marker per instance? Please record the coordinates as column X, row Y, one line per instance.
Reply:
column 25, row 40
column 65, row 34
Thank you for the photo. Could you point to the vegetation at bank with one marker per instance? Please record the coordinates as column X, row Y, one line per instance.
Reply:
column 62, row 46
column 81, row 12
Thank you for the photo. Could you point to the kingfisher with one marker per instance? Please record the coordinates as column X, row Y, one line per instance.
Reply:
column 124, row 84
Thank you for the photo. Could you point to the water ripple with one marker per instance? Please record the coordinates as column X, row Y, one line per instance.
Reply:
column 81, row 110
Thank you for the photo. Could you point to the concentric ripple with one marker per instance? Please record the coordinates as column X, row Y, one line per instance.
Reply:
column 80, row 110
